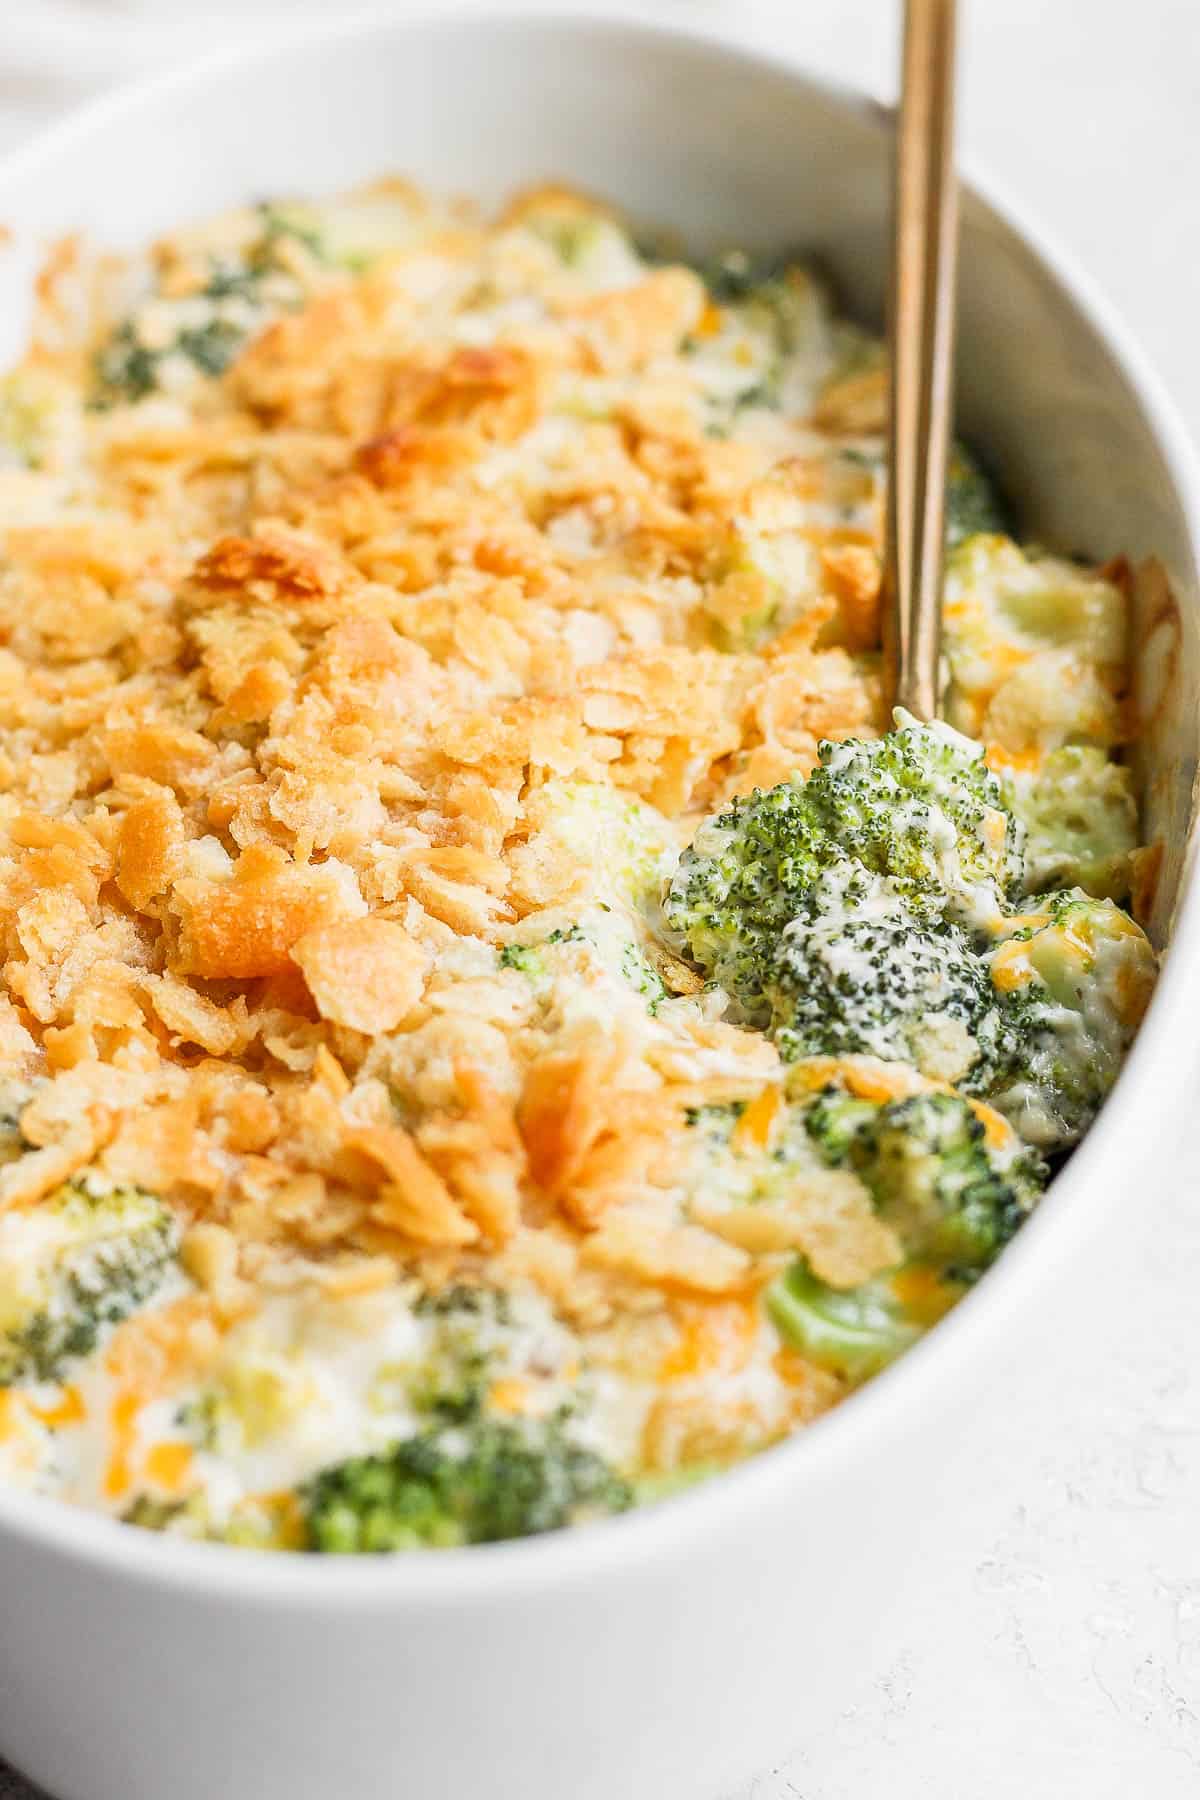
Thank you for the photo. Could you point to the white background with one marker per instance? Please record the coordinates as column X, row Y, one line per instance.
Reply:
column 1053, row 1649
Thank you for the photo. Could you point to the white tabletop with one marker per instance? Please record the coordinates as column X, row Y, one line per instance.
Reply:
column 1053, row 1650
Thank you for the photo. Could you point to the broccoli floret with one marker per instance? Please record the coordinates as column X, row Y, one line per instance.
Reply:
column 126, row 368
column 605, row 935
column 773, row 294
column 587, row 240
column 475, row 1485
column 880, row 983
column 531, row 959
column 1077, row 977
column 643, row 977
column 859, row 913
column 1080, row 814
column 466, row 1323
column 282, row 223
column 917, row 810
column 736, row 275
column 13, row 1100
column 921, row 806
column 748, row 873
column 1032, row 642
column 972, row 502
column 263, row 1522
column 84, row 1261
column 624, row 842
column 953, row 1199
column 952, row 1189
column 262, row 1388
column 527, row 959
column 775, row 336
column 211, row 347
column 855, row 1332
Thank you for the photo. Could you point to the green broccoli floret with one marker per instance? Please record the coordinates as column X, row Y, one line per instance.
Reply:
column 84, row 1261
column 1080, row 814
column 14, row 1098
column 952, row 1197
column 123, row 368
column 467, row 1485
column 531, row 959
column 643, row 977
column 258, row 1522
column 467, row 1325
column 126, row 369
column 736, row 275
column 749, row 872
column 869, row 910
column 780, row 303
column 953, row 1200
column 624, row 842
column 587, row 242
column 527, row 959
column 881, row 983
column 621, row 954
column 211, row 347
column 912, row 825
column 920, row 806
column 286, row 222
column 1078, row 976
column 972, row 501
column 855, row 1332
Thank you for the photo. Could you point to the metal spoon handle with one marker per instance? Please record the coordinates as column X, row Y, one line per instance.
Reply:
column 921, row 339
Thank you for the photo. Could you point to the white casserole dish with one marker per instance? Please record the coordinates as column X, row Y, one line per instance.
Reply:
column 663, row 1656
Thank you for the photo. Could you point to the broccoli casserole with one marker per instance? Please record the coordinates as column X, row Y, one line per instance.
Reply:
column 497, row 1022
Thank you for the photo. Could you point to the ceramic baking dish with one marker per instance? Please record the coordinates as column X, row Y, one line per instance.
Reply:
column 665, row 1655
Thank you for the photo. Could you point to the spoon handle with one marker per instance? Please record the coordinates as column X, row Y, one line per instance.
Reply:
column 921, row 342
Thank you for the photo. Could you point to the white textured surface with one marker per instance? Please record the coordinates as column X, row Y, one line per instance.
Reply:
column 1053, row 1648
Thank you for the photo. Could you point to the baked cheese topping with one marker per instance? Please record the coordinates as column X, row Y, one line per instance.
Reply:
column 457, row 1077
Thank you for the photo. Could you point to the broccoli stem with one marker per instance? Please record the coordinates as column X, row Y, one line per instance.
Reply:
column 855, row 1333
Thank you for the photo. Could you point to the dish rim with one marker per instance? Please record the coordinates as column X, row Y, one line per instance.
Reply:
column 1148, row 1083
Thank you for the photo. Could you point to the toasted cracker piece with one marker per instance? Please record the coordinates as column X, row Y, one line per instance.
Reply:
column 626, row 328
column 246, row 927
column 645, row 1248
column 276, row 564
column 828, row 1216
column 162, row 1148
column 480, row 1155
column 191, row 1018
column 856, row 404
column 856, row 576
column 565, row 1108
column 39, row 1172
column 149, row 847
column 413, row 1200
column 363, row 973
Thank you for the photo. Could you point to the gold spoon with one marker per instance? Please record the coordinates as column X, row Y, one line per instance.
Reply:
column 921, row 345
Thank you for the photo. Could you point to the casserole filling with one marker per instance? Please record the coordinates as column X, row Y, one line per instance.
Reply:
column 497, row 1023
